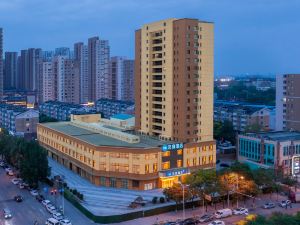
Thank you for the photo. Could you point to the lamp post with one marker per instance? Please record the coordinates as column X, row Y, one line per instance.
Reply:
column 183, row 208
column 237, row 188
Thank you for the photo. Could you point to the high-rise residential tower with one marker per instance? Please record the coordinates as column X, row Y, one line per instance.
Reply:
column 98, row 69
column 47, row 82
column 11, row 66
column 288, row 102
column 122, row 78
column 1, row 63
column 174, row 70
column 81, row 57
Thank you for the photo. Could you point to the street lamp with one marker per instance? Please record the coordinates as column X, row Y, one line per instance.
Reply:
column 183, row 208
column 237, row 188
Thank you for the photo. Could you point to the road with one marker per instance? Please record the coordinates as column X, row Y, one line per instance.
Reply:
column 26, row 212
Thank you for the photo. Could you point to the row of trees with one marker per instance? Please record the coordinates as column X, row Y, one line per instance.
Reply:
column 237, row 182
column 28, row 157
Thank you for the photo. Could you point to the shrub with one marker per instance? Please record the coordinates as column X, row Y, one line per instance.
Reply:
column 154, row 200
column 162, row 200
column 75, row 192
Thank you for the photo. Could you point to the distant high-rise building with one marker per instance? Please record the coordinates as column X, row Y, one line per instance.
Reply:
column 63, row 51
column 66, row 75
column 47, row 83
column 1, row 63
column 11, row 66
column 48, row 56
column 174, row 70
column 81, row 57
column 288, row 102
column 28, row 69
column 122, row 78
column 98, row 68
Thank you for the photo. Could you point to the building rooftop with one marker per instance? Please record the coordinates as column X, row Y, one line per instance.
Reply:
column 277, row 136
column 97, row 139
column 122, row 116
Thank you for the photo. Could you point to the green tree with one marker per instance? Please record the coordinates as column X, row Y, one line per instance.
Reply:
column 224, row 131
column 45, row 119
column 175, row 193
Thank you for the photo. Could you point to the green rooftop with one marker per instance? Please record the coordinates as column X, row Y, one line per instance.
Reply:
column 102, row 140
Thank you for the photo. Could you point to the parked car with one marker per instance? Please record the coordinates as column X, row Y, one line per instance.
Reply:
column 40, row 198
column 223, row 213
column 34, row 192
column 7, row 214
column 21, row 186
column 10, row 173
column 51, row 209
column 2, row 163
column 217, row 222
column 52, row 221
column 285, row 203
column 65, row 222
column 206, row 218
column 189, row 221
column 269, row 205
column 58, row 216
column 15, row 181
column 18, row 198
column 7, row 169
column 240, row 211
column 46, row 202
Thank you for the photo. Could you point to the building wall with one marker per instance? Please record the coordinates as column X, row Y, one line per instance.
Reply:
column 279, row 103
column 47, row 90
column 1, row 63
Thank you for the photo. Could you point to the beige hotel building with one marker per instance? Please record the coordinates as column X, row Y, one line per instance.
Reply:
column 172, row 133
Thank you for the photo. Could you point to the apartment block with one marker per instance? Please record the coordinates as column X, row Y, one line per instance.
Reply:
column 18, row 120
column 10, row 70
column 288, row 102
column 110, row 107
column 1, row 63
column 121, row 72
column 47, row 82
column 98, row 69
column 174, row 79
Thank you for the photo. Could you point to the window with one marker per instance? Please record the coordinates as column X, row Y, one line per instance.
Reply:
column 179, row 163
column 112, row 182
column 147, row 168
column 166, row 154
column 124, row 183
column 135, row 183
column 103, row 181
column 136, row 169
column 155, row 167
column 179, row 152
column 166, row 165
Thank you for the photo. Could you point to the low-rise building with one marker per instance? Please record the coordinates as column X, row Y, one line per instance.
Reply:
column 269, row 149
column 243, row 115
column 62, row 111
column 110, row 153
column 18, row 120
column 109, row 107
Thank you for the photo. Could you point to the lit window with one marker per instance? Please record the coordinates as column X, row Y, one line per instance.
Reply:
column 179, row 152
column 179, row 163
column 166, row 154
column 166, row 165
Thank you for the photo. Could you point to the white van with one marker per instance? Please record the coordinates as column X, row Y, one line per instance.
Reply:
column 223, row 213
column 52, row 221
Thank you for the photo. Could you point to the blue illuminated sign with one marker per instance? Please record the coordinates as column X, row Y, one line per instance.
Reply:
column 172, row 147
column 176, row 172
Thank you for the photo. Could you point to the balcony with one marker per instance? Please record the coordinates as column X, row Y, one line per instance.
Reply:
column 157, row 84
column 157, row 48
column 157, row 92
column 157, row 77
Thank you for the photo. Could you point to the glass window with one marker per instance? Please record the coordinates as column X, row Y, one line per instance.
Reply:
column 179, row 163
column 112, row 182
column 166, row 154
column 103, row 181
column 166, row 165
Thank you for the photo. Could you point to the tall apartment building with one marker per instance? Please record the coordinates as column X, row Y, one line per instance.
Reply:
column 288, row 102
column 98, row 69
column 1, row 63
column 66, row 76
column 63, row 51
column 11, row 66
column 122, row 78
column 81, row 56
column 174, row 69
column 47, row 84
column 28, row 69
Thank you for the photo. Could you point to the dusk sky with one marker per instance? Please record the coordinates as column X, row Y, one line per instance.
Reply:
column 251, row 36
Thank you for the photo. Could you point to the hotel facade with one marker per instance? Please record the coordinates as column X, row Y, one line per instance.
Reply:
column 173, row 131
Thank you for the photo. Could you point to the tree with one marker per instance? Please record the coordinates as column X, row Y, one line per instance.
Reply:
column 224, row 131
column 45, row 119
column 175, row 193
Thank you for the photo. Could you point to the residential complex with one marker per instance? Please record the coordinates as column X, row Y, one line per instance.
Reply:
column 244, row 115
column 109, row 107
column 1, row 63
column 18, row 120
column 62, row 111
column 288, row 102
column 269, row 150
column 121, row 71
column 10, row 70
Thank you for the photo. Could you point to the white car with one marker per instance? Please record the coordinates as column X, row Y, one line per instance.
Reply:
column 21, row 186
column 7, row 214
column 52, row 221
column 240, row 211
column 51, row 209
column 285, row 203
column 46, row 202
column 34, row 192
column 16, row 181
column 10, row 173
column 2, row 163
column 58, row 216
column 217, row 222
column 65, row 222
column 8, row 169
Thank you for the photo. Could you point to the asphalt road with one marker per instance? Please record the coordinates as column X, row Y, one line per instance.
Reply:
column 26, row 212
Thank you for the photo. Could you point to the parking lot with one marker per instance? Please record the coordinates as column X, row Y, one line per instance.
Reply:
column 30, row 210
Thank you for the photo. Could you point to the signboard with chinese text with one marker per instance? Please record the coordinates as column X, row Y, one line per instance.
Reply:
column 170, row 147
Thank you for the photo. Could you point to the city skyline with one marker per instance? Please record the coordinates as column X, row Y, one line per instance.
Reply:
column 251, row 44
